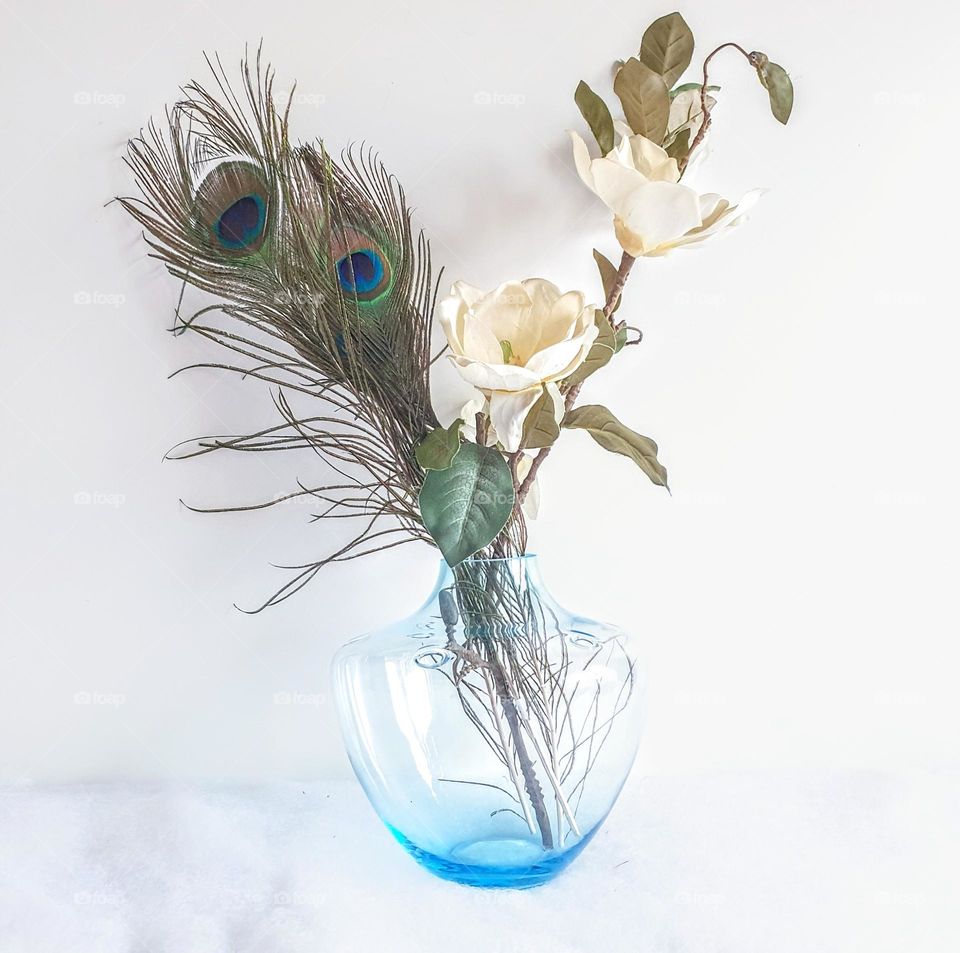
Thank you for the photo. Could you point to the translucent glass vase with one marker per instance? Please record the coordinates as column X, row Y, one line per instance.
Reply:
column 492, row 730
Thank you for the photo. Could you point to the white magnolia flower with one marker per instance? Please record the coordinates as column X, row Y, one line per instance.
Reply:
column 512, row 342
column 652, row 212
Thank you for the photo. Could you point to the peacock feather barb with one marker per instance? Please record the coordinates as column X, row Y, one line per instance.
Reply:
column 326, row 290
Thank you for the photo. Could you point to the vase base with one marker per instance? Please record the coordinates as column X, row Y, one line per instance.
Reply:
column 495, row 863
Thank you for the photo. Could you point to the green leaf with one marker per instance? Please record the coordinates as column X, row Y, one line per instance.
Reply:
column 645, row 99
column 615, row 437
column 541, row 429
column 608, row 276
column 680, row 146
column 619, row 339
column 604, row 347
column 780, row 88
column 597, row 115
column 667, row 47
column 437, row 450
column 465, row 506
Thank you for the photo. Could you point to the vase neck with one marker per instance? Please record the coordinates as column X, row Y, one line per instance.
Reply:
column 518, row 573
column 493, row 598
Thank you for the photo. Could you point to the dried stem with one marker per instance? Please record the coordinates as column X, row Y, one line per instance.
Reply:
column 704, row 102
column 511, row 770
column 532, row 785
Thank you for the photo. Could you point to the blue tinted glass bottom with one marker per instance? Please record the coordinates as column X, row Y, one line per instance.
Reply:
column 506, row 862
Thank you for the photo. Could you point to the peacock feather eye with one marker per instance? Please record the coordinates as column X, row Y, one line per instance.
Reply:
column 361, row 271
column 362, row 268
column 232, row 207
column 242, row 223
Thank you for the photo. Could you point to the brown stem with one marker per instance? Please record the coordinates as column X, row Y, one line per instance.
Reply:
column 530, row 782
column 704, row 108
column 623, row 272
column 516, row 525
column 481, row 430
column 493, row 667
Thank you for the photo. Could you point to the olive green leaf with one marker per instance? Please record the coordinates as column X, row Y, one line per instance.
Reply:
column 667, row 47
column 465, row 506
column 615, row 437
column 604, row 347
column 608, row 275
column 437, row 450
column 780, row 88
column 680, row 146
column 594, row 110
column 645, row 99
column 541, row 429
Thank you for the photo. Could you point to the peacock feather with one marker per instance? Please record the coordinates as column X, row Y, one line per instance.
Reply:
column 320, row 285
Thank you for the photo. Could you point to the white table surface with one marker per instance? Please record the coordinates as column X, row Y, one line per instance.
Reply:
column 772, row 864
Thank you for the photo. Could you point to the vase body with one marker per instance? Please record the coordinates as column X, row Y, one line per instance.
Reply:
column 492, row 730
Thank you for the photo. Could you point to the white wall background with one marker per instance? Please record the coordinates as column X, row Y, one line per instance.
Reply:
column 796, row 595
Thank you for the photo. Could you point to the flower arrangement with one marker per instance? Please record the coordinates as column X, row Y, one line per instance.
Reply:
column 328, row 297
column 320, row 259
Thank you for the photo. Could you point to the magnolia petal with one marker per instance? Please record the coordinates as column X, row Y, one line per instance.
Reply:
column 505, row 312
column 480, row 342
column 582, row 160
column 542, row 293
column 632, row 244
column 526, row 339
column 661, row 212
column 622, row 154
column 560, row 322
column 452, row 313
column 491, row 377
column 567, row 312
column 723, row 217
column 563, row 358
column 508, row 412
column 616, row 185
column 652, row 161
column 558, row 406
column 749, row 200
column 467, row 293
column 711, row 207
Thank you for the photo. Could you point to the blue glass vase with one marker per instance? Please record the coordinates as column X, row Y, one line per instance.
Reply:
column 492, row 730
